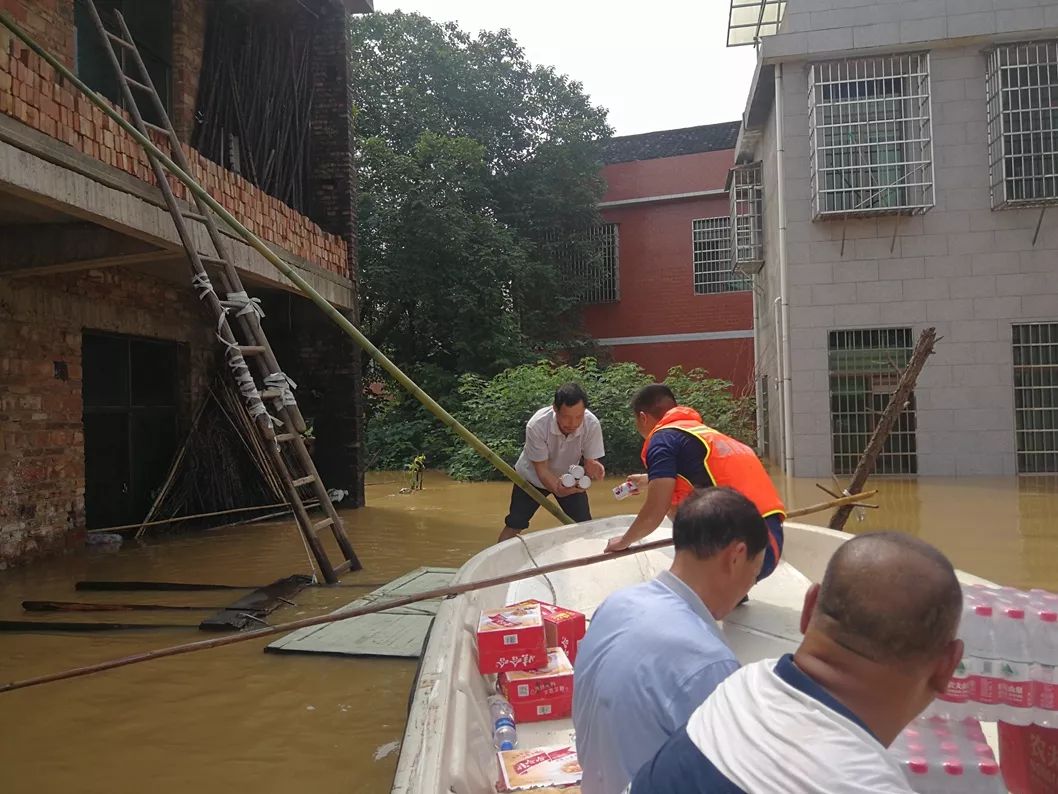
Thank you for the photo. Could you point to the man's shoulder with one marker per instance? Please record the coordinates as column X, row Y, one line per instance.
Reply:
column 682, row 628
column 590, row 419
column 540, row 416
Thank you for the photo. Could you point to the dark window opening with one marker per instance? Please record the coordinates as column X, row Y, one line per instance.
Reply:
column 130, row 393
column 151, row 25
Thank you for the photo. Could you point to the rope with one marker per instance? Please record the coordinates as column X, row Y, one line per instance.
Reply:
column 550, row 586
column 201, row 282
column 244, row 303
column 285, row 385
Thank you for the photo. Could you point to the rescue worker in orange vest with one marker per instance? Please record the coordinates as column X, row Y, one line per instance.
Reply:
column 681, row 453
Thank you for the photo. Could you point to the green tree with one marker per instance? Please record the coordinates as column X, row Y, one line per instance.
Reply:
column 474, row 165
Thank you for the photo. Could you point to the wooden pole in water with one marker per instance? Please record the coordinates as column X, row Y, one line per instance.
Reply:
column 892, row 412
column 291, row 273
column 381, row 606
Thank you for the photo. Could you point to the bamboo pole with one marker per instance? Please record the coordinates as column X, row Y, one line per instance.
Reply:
column 378, row 606
column 291, row 273
column 892, row 412
column 178, row 519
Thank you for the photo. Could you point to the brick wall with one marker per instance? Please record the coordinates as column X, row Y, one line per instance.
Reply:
column 728, row 359
column 50, row 22
column 42, row 476
column 31, row 92
column 189, row 32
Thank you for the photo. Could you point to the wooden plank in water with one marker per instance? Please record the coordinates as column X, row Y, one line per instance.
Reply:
column 46, row 626
column 89, row 606
column 249, row 610
column 104, row 586
column 398, row 632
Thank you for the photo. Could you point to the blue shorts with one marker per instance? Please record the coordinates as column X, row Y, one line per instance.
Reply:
column 773, row 550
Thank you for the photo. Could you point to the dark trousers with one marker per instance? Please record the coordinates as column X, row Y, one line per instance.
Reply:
column 523, row 507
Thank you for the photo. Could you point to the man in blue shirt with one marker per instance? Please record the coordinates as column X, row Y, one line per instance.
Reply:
column 654, row 651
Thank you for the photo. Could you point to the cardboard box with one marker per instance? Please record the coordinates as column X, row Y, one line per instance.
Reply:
column 565, row 627
column 554, row 682
column 543, row 709
column 541, row 766
column 512, row 638
column 1028, row 756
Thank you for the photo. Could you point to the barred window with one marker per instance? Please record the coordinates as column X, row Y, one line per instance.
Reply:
column 865, row 367
column 747, row 217
column 872, row 139
column 590, row 260
column 1036, row 397
column 711, row 243
column 1022, row 92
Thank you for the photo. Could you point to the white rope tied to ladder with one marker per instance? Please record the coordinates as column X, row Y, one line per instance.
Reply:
column 201, row 282
column 285, row 385
column 244, row 303
column 244, row 382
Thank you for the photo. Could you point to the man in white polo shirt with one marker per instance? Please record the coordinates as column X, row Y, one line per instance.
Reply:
column 556, row 437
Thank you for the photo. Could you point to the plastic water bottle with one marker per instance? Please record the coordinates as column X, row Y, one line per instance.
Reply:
column 577, row 471
column 1015, row 685
column 504, row 734
column 954, row 703
column 917, row 772
column 584, row 483
column 986, row 778
column 568, row 480
column 983, row 665
column 1045, row 668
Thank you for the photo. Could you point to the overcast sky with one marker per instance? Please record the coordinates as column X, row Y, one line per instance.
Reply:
column 655, row 64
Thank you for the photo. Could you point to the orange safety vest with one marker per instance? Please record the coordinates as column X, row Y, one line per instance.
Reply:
column 727, row 461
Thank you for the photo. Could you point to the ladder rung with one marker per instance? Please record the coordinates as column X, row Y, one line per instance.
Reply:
column 322, row 524
column 270, row 394
column 194, row 216
column 118, row 40
column 137, row 84
column 304, row 481
column 285, row 437
column 216, row 260
column 156, row 128
column 251, row 350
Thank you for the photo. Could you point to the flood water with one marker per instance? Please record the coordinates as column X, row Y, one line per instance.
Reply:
column 236, row 719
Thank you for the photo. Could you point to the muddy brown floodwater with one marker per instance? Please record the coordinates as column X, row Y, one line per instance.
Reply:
column 236, row 719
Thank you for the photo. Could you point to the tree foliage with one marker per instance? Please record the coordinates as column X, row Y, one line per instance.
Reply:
column 497, row 409
column 471, row 160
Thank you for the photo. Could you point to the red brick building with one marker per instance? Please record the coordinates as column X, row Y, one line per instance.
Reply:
column 105, row 351
column 673, row 299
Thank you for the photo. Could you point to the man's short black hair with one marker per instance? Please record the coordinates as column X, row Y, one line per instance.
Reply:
column 655, row 399
column 711, row 519
column 889, row 597
column 570, row 394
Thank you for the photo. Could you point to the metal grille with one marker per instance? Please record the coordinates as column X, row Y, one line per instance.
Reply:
column 747, row 221
column 1036, row 396
column 711, row 242
column 590, row 260
column 872, row 136
column 1022, row 91
column 865, row 367
column 751, row 19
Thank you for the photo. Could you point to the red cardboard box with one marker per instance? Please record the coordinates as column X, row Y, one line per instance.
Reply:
column 1028, row 756
column 512, row 638
column 565, row 627
column 554, row 682
column 554, row 708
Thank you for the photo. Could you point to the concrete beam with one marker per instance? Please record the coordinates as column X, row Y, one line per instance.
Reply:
column 42, row 170
column 42, row 248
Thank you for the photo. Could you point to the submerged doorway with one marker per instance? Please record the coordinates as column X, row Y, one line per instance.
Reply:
column 130, row 392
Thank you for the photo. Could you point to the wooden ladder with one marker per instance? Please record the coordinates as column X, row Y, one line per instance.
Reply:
column 247, row 351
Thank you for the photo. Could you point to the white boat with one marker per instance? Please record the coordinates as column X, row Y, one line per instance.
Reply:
column 447, row 745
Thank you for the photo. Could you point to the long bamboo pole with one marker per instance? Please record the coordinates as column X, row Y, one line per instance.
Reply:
column 258, row 245
column 380, row 606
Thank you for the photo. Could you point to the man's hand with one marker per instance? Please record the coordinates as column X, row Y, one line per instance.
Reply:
column 617, row 544
column 594, row 469
column 561, row 490
column 640, row 481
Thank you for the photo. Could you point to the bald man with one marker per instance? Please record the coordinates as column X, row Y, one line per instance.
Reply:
column 879, row 644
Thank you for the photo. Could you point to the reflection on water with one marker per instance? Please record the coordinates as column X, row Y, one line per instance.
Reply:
column 236, row 718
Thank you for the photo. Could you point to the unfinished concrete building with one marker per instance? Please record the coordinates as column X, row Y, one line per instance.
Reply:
column 105, row 351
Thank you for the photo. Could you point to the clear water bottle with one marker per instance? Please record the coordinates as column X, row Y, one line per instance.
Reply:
column 504, row 734
column 917, row 772
column 1045, row 668
column 983, row 663
column 986, row 778
column 1015, row 681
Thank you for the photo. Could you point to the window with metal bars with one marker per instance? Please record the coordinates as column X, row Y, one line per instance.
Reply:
column 1022, row 93
column 590, row 259
column 872, row 136
column 865, row 367
column 1036, row 397
column 747, row 217
column 711, row 244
